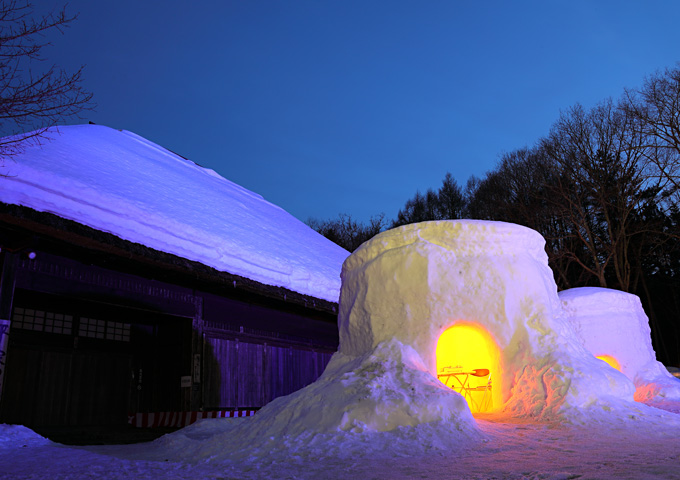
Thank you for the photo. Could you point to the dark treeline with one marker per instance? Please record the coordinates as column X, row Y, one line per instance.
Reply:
column 347, row 232
column 602, row 187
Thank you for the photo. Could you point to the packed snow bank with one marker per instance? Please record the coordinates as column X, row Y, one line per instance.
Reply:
column 611, row 322
column 414, row 282
column 511, row 449
column 120, row 183
column 384, row 402
column 18, row 436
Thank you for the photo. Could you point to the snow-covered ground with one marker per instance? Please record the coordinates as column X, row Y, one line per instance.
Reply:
column 506, row 449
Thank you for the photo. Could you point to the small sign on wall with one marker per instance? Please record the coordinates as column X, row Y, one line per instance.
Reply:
column 4, row 343
column 197, row 368
column 186, row 381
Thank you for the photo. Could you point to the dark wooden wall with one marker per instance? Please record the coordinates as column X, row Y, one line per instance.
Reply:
column 55, row 388
column 249, row 350
column 57, row 378
column 242, row 374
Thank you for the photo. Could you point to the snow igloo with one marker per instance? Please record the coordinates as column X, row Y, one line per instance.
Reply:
column 614, row 328
column 477, row 303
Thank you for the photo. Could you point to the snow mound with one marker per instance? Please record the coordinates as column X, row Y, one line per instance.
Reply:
column 18, row 436
column 381, row 403
column 123, row 184
column 611, row 322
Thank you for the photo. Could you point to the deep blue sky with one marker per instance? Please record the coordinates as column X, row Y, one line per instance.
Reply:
column 327, row 107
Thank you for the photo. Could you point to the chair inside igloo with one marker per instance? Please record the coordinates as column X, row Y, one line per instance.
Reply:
column 468, row 362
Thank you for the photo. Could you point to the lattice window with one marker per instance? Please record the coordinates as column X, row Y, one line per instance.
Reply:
column 118, row 331
column 94, row 328
column 91, row 327
column 42, row 321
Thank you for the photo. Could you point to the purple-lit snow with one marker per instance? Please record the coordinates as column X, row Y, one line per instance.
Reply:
column 508, row 449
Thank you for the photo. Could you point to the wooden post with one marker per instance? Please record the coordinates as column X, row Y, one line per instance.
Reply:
column 197, row 339
column 7, row 281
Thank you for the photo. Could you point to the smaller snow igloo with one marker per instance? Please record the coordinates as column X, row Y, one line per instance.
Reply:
column 411, row 285
column 613, row 326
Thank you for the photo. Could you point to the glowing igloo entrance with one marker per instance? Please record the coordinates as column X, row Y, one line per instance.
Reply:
column 611, row 361
column 468, row 362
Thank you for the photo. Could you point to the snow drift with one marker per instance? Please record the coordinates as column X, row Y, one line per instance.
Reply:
column 123, row 184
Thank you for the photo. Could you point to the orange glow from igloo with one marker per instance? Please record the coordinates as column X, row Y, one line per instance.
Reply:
column 468, row 362
column 614, row 363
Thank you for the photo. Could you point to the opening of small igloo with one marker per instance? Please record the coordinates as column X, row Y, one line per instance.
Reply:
column 468, row 363
column 609, row 360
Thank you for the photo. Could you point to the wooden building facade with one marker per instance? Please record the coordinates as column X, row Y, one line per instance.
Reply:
column 100, row 327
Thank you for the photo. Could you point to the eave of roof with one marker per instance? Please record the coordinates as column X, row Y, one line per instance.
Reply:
column 71, row 236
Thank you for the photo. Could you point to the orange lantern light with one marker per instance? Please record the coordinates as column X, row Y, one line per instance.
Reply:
column 614, row 363
column 467, row 360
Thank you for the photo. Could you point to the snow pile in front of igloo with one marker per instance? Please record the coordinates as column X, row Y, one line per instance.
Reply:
column 382, row 403
column 613, row 323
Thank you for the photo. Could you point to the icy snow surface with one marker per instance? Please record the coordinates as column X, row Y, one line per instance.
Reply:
column 120, row 183
column 507, row 449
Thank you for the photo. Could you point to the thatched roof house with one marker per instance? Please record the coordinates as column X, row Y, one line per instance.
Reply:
column 136, row 280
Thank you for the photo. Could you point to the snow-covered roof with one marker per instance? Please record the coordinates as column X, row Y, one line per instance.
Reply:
column 120, row 183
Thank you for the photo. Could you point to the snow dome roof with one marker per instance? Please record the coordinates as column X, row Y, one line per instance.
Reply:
column 120, row 183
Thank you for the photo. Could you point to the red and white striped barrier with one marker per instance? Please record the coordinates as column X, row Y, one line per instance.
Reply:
column 180, row 419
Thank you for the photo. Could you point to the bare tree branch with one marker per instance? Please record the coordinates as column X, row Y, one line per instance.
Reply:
column 33, row 99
